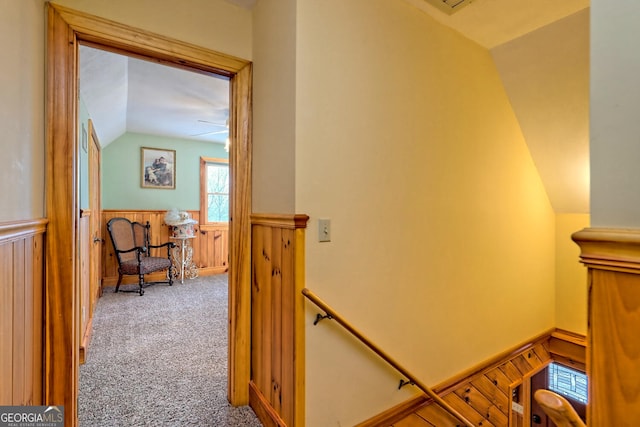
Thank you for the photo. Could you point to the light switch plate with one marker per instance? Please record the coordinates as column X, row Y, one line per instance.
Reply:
column 324, row 230
column 516, row 407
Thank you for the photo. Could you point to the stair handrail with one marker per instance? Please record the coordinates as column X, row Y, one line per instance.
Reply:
column 332, row 314
column 558, row 409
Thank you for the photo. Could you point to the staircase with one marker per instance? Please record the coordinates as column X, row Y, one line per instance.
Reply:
column 495, row 393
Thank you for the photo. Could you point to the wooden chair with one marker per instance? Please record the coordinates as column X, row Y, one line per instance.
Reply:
column 131, row 244
column 558, row 409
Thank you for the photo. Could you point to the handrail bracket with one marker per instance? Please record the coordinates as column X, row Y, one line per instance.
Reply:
column 404, row 383
column 320, row 317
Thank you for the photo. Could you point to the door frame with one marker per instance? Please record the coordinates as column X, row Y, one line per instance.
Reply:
column 66, row 28
column 94, row 157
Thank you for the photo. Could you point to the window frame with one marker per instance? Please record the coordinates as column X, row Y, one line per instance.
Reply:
column 572, row 397
column 204, row 194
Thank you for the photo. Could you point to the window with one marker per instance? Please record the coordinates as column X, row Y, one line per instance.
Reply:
column 568, row 382
column 214, row 190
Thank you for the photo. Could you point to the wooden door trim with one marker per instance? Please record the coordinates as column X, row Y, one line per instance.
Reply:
column 60, row 318
column 95, row 185
column 65, row 29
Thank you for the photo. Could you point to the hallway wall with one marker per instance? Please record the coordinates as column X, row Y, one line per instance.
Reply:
column 615, row 96
column 22, row 109
column 571, row 276
column 214, row 24
column 443, row 237
column 274, row 106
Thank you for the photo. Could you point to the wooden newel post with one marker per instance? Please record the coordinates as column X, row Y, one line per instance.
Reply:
column 612, row 257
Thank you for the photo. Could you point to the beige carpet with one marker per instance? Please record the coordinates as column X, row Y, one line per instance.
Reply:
column 160, row 359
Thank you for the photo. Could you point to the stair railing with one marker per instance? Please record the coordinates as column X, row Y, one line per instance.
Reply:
column 558, row 409
column 331, row 314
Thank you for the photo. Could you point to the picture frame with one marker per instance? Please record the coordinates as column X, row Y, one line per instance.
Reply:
column 158, row 168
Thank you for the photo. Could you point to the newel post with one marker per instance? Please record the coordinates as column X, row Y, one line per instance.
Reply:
column 612, row 257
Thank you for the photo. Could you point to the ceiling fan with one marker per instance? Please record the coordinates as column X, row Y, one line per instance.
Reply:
column 225, row 127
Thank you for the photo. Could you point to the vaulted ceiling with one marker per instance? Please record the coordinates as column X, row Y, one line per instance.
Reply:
column 124, row 94
column 491, row 23
column 540, row 49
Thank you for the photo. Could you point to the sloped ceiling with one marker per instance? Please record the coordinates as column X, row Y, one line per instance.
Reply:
column 104, row 87
column 546, row 76
column 491, row 23
column 124, row 94
column 541, row 50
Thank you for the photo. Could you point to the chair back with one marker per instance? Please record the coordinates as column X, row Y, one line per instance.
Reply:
column 141, row 235
column 126, row 235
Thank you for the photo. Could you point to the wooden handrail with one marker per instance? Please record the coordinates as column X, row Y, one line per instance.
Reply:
column 426, row 389
column 558, row 409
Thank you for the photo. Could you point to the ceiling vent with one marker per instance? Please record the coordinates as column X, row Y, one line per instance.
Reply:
column 449, row 6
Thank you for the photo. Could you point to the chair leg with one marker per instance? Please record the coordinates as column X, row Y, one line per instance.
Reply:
column 119, row 281
column 140, row 283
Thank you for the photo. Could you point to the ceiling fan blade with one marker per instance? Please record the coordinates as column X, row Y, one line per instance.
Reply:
column 213, row 123
column 210, row 133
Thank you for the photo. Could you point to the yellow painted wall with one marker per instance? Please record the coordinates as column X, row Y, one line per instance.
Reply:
column 571, row 275
column 274, row 103
column 22, row 109
column 443, row 238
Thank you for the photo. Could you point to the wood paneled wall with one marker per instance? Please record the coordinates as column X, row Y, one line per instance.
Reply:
column 277, row 342
column 485, row 394
column 22, row 312
column 210, row 247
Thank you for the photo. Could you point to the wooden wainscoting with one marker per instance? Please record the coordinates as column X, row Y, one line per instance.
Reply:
column 494, row 393
column 210, row 246
column 21, row 312
column 276, row 390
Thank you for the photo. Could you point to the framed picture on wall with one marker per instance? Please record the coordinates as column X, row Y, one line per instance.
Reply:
column 158, row 168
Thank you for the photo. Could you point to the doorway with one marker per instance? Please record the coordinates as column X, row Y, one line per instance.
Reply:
column 145, row 112
column 136, row 104
column 66, row 28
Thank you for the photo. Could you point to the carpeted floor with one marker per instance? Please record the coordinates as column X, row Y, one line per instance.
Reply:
column 160, row 359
